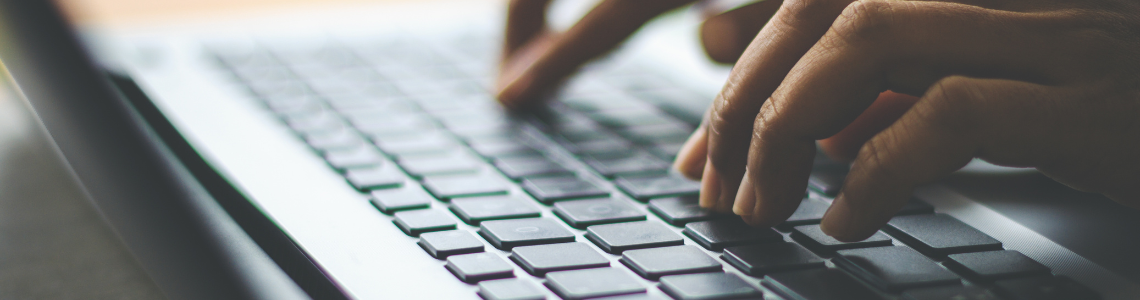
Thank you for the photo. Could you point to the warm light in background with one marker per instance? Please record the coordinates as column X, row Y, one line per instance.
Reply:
column 119, row 11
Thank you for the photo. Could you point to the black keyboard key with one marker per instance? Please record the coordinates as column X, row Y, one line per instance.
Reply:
column 476, row 267
column 339, row 140
column 509, row 289
column 549, row 190
column 995, row 265
column 421, row 144
column 479, row 209
column 582, row 213
column 602, row 148
column 635, row 297
column 717, row 234
column 681, row 210
column 763, row 259
column 644, row 188
column 541, row 259
column 442, row 244
column 938, row 235
column 615, row 238
column 396, row 128
column 502, row 149
column 818, row 284
column 810, row 211
column 954, row 292
column 636, row 164
column 1044, row 288
column 894, row 268
column 529, row 167
column 415, row 222
column 451, row 164
column 653, row 263
column 666, row 151
column 363, row 157
column 448, row 187
column 318, row 124
column 381, row 177
column 507, row 234
column 827, row 180
column 631, row 117
column 585, row 133
column 813, row 237
column 916, row 207
column 673, row 132
column 392, row 200
column 708, row 286
column 593, row 283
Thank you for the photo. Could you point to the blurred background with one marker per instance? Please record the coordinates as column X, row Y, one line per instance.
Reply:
column 53, row 243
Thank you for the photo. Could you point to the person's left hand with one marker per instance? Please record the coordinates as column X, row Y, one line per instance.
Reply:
column 536, row 60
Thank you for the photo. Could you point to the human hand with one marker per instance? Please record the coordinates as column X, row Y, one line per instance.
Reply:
column 536, row 60
column 1046, row 84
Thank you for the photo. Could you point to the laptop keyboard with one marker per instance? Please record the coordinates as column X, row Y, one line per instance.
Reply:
column 577, row 199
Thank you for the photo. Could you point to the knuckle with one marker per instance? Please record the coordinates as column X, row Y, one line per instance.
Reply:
column 875, row 158
column 810, row 11
column 731, row 112
column 952, row 104
column 865, row 20
column 764, row 125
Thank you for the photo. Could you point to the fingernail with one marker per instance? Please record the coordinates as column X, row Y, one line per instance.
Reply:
column 690, row 158
column 728, row 189
column 745, row 198
column 710, row 187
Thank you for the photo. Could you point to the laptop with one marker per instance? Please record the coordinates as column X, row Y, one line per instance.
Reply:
column 357, row 153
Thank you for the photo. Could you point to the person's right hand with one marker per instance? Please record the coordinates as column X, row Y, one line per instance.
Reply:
column 1053, row 85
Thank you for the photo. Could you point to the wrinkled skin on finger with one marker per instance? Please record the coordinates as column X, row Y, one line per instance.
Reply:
column 1045, row 84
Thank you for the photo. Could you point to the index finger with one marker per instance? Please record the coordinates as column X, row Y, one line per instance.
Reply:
column 525, row 20
column 871, row 47
column 599, row 31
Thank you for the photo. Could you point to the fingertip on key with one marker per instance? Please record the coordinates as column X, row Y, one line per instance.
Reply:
column 745, row 198
column 710, row 188
column 693, row 156
column 838, row 223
